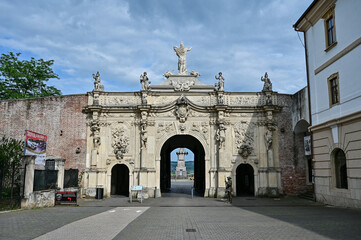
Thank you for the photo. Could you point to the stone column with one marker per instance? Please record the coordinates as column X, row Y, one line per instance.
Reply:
column 59, row 166
column 29, row 175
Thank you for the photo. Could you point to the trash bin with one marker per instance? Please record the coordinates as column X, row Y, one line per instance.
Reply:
column 99, row 193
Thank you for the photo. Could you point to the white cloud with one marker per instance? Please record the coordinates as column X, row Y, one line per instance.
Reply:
column 122, row 39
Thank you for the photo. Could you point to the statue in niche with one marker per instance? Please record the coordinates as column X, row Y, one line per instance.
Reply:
column 267, row 83
column 144, row 81
column 181, row 53
column 220, row 79
column 268, row 138
column 144, row 135
column 221, row 134
column 229, row 189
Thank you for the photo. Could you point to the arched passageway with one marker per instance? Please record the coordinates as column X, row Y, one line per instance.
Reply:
column 245, row 180
column 120, row 180
column 182, row 141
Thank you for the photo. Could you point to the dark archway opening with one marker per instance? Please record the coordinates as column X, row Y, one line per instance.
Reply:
column 245, row 180
column 120, row 180
column 193, row 144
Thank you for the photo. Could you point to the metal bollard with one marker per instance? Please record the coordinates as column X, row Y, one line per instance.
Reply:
column 155, row 192
column 192, row 191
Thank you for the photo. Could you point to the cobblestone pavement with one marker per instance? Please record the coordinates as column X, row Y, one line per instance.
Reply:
column 181, row 217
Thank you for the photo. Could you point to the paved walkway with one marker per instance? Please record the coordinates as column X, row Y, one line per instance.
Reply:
column 178, row 216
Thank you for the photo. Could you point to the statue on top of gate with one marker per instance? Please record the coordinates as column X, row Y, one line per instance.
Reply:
column 181, row 53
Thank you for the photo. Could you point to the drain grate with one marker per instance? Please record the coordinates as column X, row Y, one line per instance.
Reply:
column 190, row 230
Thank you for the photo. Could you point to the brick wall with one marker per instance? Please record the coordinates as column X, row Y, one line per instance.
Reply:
column 291, row 151
column 60, row 118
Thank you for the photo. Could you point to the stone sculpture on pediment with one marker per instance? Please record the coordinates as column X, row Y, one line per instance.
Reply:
column 267, row 86
column 120, row 142
column 220, row 85
column 167, row 74
column 97, row 80
column 195, row 74
column 144, row 80
column 182, row 53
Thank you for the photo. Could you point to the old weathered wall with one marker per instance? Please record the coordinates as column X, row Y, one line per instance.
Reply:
column 60, row 118
column 293, row 165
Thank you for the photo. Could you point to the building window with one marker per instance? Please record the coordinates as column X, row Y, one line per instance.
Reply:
column 340, row 169
column 333, row 89
column 330, row 33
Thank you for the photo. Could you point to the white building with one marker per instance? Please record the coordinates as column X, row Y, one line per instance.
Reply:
column 332, row 36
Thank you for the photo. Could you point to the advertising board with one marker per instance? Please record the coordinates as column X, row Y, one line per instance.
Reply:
column 35, row 144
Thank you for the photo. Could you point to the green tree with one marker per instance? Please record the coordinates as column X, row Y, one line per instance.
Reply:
column 25, row 78
column 11, row 152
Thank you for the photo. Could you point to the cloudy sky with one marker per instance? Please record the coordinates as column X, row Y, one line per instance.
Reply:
column 122, row 39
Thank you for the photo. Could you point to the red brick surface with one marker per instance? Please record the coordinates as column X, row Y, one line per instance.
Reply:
column 60, row 118
column 291, row 151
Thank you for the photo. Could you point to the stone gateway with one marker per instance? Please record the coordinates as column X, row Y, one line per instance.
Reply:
column 136, row 132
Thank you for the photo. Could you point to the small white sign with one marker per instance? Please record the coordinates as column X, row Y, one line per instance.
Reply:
column 307, row 144
column 137, row 188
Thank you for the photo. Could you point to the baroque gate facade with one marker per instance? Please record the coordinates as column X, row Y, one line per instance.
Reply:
column 223, row 129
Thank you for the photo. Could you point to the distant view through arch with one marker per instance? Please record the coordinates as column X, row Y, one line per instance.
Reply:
column 191, row 143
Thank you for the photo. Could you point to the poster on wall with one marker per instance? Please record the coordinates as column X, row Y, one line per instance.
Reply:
column 307, row 144
column 35, row 144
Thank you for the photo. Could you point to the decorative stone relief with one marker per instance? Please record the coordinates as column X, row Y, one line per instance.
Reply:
column 164, row 128
column 246, row 100
column 120, row 142
column 182, row 127
column 182, row 109
column 204, row 100
column 94, row 127
column 201, row 128
column 96, row 142
column 244, row 138
column 182, row 85
column 122, row 100
column 143, row 129
column 221, row 135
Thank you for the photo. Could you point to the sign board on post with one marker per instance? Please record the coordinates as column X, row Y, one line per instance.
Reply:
column 66, row 197
column 35, row 144
column 136, row 188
